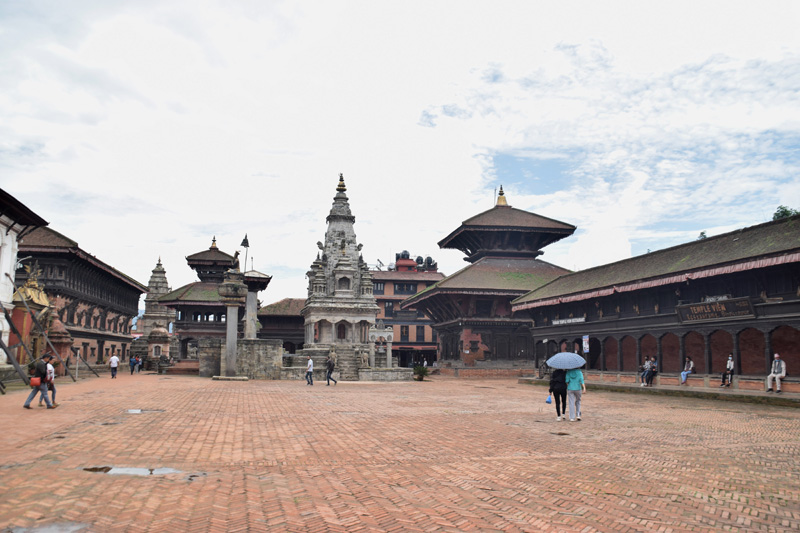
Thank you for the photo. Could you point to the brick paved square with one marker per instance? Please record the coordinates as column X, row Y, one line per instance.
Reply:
column 441, row 455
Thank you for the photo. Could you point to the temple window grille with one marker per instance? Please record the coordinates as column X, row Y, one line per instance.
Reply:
column 379, row 287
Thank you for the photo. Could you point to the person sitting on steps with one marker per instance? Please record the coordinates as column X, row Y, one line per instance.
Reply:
column 777, row 372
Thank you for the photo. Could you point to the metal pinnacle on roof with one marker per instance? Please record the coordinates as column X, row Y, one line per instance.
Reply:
column 501, row 198
column 341, row 187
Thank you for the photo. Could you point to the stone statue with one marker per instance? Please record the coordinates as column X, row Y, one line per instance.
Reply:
column 332, row 355
column 364, row 358
column 236, row 260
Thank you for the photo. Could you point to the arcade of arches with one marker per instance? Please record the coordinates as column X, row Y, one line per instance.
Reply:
column 751, row 347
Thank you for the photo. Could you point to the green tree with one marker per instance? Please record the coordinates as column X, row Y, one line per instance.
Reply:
column 783, row 212
column 701, row 236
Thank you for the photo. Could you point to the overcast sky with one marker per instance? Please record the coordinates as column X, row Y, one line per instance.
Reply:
column 144, row 128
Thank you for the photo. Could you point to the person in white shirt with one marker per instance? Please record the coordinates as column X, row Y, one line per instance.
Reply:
column 777, row 372
column 113, row 362
column 51, row 384
column 727, row 376
column 310, row 371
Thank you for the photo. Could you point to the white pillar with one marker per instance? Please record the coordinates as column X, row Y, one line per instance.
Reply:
column 230, row 341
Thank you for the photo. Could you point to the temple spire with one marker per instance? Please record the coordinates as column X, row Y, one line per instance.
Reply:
column 341, row 187
column 501, row 198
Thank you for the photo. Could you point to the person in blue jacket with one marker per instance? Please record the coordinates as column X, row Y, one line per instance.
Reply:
column 575, row 387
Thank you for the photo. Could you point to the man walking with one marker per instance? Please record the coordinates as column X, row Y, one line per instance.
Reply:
column 113, row 362
column 40, row 371
column 777, row 372
column 330, row 365
column 310, row 372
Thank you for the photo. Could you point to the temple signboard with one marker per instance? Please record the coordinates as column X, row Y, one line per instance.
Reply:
column 733, row 308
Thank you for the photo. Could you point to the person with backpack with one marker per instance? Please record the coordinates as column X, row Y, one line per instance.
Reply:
column 330, row 366
column 40, row 374
column 132, row 363
column 558, row 388
column 51, row 384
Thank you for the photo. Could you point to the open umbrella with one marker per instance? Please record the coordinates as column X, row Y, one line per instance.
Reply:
column 566, row 361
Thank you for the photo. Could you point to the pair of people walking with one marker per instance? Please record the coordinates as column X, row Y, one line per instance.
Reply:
column 45, row 371
column 330, row 366
column 567, row 385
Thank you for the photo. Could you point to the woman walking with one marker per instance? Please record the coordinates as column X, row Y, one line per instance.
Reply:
column 558, row 388
column 575, row 387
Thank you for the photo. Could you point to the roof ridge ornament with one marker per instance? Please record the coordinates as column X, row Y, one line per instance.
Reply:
column 341, row 187
column 501, row 198
column 213, row 243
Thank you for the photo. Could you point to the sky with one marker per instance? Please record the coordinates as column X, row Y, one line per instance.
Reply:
column 143, row 129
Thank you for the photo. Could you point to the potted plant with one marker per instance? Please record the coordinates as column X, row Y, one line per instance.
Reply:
column 420, row 372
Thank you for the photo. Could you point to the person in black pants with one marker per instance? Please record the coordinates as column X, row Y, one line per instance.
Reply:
column 329, row 366
column 648, row 379
column 558, row 388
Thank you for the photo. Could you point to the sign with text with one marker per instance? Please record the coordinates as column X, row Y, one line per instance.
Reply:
column 734, row 308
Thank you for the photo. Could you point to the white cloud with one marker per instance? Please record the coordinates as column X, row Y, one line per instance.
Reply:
column 141, row 129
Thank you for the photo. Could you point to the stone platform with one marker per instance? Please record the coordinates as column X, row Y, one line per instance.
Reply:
column 180, row 453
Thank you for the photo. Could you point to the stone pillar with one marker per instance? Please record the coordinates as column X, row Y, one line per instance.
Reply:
column 737, row 356
column 767, row 352
column 251, row 316
column 372, row 354
column 619, row 355
column 389, row 354
column 659, row 352
column 602, row 357
column 682, row 351
column 707, row 352
column 232, row 293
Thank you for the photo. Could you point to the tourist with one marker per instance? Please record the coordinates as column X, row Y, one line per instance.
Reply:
column 310, row 371
column 139, row 364
column 648, row 379
column 777, row 372
column 40, row 371
column 688, row 368
column 113, row 362
column 558, row 388
column 645, row 370
column 133, row 364
column 425, row 363
column 575, row 386
column 727, row 376
column 330, row 365
column 51, row 386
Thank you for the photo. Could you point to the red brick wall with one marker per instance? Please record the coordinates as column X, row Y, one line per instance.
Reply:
column 610, row 350
column 629, row 363
column 721, row 346
column 751, row 347
column 670, row 353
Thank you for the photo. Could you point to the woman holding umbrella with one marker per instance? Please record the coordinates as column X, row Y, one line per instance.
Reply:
column 571, row 362
column 558, row 388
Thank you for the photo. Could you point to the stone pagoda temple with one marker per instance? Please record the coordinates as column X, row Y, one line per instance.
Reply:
column 340, row 308
column 154, row 312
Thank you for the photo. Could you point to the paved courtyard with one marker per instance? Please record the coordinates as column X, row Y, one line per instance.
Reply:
column 442, row 455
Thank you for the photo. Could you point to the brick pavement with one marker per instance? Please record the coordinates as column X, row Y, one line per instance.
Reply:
column 442, row 455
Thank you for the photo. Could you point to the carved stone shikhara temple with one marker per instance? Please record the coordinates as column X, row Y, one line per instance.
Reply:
column 341, row 307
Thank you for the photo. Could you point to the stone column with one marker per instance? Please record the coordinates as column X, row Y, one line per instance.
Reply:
column 737, row 356
column 389, row 354
column 619, row 355
column 232, row 293
column 250, row 316
column 767, row 351
column 707, row 352
column 372, row 354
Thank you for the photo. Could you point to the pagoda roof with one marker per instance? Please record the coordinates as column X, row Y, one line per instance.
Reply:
column 285, row 307
column 198, row 292
column 213, row 254
column 758, row 246
column 494, row 275
column 46, row 240
column 507, row 218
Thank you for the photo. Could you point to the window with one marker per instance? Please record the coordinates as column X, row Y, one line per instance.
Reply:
column 434, row 336
column 344, row 284
column 388, row 309
column 405, row 288
column 378, row 287
column 420, row 333
column 403, row 333
column 341, row 332
column 157, row 351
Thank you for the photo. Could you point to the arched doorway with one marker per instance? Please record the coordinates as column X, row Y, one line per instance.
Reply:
column 695, row 347
column 629, row 363
column 752, row 345
column 721, row 345
column 670, row 353
column 610, row 349
column 649, row 347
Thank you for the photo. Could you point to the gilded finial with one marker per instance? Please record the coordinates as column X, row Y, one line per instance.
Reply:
column 213, row 242
column 341, row 187
column 501, row 198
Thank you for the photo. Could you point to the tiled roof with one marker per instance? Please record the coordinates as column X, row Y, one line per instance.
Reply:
column 285, row 307
column 46, row 240
column 492, row 274
column 506, row 217
column 765, row 240
column 212, row 254
column 19, row 212
column 199, row 291
column 44, row 236
column 392, row 275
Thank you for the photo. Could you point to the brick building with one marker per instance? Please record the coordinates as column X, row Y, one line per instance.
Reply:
column 95, row 302
column 414, row 337
column 734, row 293
column 283, row 321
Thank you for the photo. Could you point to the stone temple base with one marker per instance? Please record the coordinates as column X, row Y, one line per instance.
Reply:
column 385, row 374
